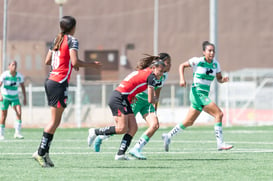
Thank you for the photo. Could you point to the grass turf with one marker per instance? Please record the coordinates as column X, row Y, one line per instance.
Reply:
column 192, row 156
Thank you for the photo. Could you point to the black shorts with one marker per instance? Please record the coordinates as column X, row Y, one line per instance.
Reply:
column 119, row 104
column 56, row 93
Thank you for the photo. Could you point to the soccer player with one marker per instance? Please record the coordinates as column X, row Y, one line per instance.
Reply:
column 121, row 99
column 9, row 82
column 147, row 111
column 62, row 56
column 205, row 69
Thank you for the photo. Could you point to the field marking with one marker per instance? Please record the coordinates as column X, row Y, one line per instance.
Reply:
column 151, row 153
column 135, row 140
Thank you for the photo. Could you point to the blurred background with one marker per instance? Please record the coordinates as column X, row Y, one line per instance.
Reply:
column 120, row 32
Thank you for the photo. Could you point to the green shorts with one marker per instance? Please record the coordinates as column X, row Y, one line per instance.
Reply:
column 143, row 107
column 199, row 99
column 4, row 105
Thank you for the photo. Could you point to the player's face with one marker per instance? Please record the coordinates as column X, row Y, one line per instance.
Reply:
column 72, row 32
column 158, row 71
column 209, row 52
column 167, row 65
column 13, row 66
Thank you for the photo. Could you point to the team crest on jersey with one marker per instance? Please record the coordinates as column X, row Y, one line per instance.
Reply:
column 214, row 65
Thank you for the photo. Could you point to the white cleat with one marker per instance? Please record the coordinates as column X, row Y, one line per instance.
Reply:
column 224, row 146
column 137, row 154
column 167, row 141
column 91, row 136
column 2, row 138
column 121, row 157
column 18, row 136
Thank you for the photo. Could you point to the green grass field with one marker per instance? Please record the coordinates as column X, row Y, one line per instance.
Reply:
column 192, row 156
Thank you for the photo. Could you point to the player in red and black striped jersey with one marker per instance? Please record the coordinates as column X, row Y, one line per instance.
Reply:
column 63, row 56
column 121, row 99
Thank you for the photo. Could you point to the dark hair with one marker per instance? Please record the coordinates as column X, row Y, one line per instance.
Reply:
column 145, row 62
column 67, row 23
column 150, row 59
column 157, row 62
column 205, row 44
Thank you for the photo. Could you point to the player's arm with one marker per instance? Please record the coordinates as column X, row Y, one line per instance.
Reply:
column 1, row 97
column 157, row 94
column 24, row 93
column 151, row 98
column 76, row 62
column 220, row 78
column 48, row 57
column 182, row 67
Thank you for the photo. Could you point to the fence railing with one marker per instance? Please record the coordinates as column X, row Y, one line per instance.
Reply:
column 244, row 103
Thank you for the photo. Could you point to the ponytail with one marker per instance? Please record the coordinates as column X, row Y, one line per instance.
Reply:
column 58, row 41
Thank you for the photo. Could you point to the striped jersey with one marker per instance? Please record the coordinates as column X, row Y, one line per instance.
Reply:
column 10, row 84
column 203, row 72
column 136, row 82
column 144, row 95
column 61, row 66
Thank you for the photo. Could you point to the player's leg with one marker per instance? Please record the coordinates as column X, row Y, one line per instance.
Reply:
column 153, row 124
column 57, row 96
column 18, row 122
column 216, row 112
column 191, row 116
column 4, row 105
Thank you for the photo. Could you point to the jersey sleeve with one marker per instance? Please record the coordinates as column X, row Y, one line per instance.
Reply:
column 21, row 78
column 2, row 77
column 73, row 43
column 194, row 61
column 218, row 69
column 163, row 79
column 152, row 81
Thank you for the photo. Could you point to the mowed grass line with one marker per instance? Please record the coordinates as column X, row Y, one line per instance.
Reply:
column 192, row 156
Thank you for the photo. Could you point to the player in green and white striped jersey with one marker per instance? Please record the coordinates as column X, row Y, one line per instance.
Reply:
column 9, row 82
column 205, row 69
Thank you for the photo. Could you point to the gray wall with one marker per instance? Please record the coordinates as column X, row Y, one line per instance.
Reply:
column 245, row 28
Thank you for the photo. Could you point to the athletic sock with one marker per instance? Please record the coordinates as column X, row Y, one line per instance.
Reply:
column 18, row 126
column 177, row 129
column 2, row 129
column 45, row 144
column 103, row 137
column 218, row 133
column 106, row 131
column 144, row 139
column 125, row 143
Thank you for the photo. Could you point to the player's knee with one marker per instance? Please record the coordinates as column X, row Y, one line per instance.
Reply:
column 155, row 126
column 220, row 114
column 121, row 130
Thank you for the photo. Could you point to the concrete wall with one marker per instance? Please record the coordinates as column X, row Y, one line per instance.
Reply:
column 245, row 36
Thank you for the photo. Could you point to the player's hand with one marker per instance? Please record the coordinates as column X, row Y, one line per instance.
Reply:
column 225, row 79
column 182, row 83
column 97, row 64
column 76, row 68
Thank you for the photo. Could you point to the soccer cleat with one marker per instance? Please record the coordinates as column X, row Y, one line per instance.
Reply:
column 121, row 157
column 97, row 144
column 2, row 138
column 18, row 135
column 48, row 160
column 91, row 136
column 167, row 141
column 137, row 154
column 40, row 159
column 224, row 146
